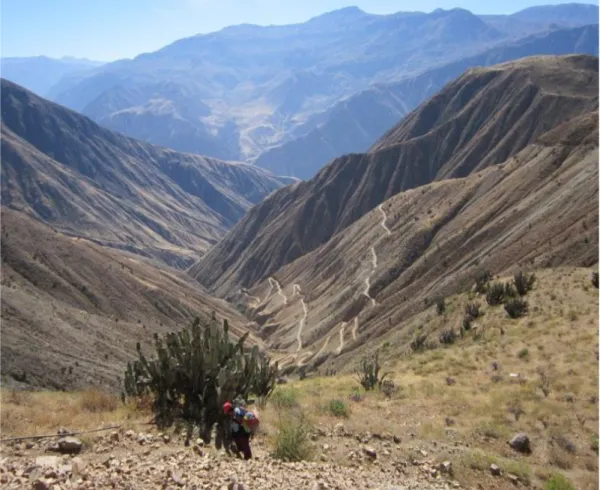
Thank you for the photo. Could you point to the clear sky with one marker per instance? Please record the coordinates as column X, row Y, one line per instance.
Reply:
column 106, row 30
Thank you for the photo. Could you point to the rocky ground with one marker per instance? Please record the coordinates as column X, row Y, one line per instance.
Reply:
column 131, row 460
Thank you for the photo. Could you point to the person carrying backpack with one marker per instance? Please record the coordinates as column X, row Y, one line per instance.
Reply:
column 243, row 424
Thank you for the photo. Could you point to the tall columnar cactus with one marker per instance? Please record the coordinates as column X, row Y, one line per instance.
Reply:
column 194, row 372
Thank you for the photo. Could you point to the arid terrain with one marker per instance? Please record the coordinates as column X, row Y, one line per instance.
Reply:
column 73, row 311
column 457, row 257
column 445, row 425
column 63, row 169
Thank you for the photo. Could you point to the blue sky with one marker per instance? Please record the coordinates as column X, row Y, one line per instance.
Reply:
column 111, row 29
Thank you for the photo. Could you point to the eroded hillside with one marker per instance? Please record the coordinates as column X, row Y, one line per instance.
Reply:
column 483, row 118
column 72, row 311
column 67, row 171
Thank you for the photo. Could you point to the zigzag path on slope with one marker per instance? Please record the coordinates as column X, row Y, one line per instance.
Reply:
column 279, row 290
column 355, row 328
column 301, row 325
column 384, row 220
column 341, row 347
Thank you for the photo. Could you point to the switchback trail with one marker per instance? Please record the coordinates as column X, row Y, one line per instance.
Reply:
column 355, row 328
column 279, row 291
column 301, row 325
column 384, row 220
column 296, row 290
column 366, row 291
column 341, row 347
column 323, row 347
column 373, row 258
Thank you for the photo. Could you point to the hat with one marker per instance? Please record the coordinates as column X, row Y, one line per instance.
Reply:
column 227, row 407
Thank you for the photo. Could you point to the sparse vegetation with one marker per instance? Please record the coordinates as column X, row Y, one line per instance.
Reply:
column 291, row 443
column 195, row 371
column 419, row 343
column 284, row 398
column 97, row 401
column 495, row 294
column 337, row 408
column 440, row 306
column 473, row 310
column 482, row 280
column 523, row 353
column 368, row 372
column 523, row 282
column 546, row 379
column 448, row 337
column 516, row 308
column 559, row 482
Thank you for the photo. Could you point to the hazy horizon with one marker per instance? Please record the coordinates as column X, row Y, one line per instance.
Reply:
column 114, row 30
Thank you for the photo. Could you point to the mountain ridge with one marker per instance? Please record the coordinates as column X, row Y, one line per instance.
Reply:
column 454, row 133
column 88, row 181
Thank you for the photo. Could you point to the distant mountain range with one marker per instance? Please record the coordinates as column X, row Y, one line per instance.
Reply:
column 284, row 97
column 354, row 124
column 40, row 73
column 483, row 118
column 87, row 181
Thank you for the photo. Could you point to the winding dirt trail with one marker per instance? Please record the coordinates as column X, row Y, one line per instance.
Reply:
column 279, row 290
column 384, row 220
column 341, row 347
column 373, row 258
column 301, row 325
column 303, row 358
column 296, row 290
column 355, row 329
column 366, row 291
column 323, row 347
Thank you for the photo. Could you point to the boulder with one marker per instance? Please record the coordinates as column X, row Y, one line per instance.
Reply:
column 370, row 452
column 495, row 470
column 446, row 467
column 67, row 445
column 521, row 443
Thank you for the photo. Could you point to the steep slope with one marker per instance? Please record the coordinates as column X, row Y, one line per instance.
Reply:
column 481, row 119
column 539, row 209
column 72, row 311
column 356, row 123
column 40, row 73
column 62, row 168
column 261, row 82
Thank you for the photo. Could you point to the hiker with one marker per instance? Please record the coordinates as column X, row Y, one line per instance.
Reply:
column 243, row 423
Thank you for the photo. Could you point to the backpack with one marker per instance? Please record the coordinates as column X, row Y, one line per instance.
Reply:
column 251, row 422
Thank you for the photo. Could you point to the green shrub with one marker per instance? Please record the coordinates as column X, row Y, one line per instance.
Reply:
column 194, row 372
column 368, row 373
column 523, row 282
column 440, row 306
column 284, row 398
column 419, row 343
column 448, row 337
column 523, row 353
column 473, row 311
column 559, row 482
column 337, row 408
column 482, row 280
column 516, row 308
column 495, row 294
column 291, row 443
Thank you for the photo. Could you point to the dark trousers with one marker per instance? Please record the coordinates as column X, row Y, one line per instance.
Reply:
column 242, row 442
